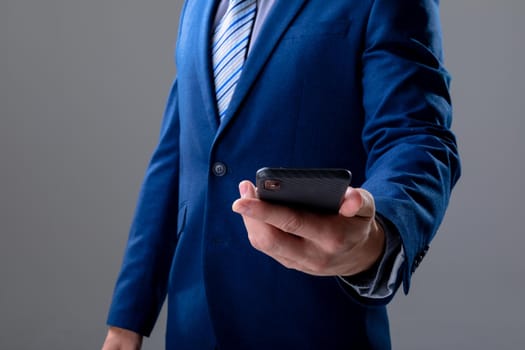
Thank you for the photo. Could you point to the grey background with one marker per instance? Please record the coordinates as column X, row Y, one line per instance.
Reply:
column 83, row 86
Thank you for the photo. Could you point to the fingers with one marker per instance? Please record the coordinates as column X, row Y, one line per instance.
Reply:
column 247, row 190
column 356, row 202
column 256, row 214
column 261, row 218
column 290, row 250
column 269, row 229
column 313, row 243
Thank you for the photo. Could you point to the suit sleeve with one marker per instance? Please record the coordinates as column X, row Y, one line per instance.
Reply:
column 413, row 161
column 142, row 284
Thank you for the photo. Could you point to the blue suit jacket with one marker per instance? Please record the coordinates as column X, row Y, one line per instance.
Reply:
column 356, row 84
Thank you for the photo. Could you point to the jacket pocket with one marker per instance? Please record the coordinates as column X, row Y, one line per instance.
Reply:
column 319, row 29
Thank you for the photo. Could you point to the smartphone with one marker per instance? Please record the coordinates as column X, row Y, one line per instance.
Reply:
column 317, row 189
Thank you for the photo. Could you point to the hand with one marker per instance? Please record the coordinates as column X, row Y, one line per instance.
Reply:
column 318, row 244
column 122, row 339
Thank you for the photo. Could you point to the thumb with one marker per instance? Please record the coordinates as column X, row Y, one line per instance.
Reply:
column 358, row 202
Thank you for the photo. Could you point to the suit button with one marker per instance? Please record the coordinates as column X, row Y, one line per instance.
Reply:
column 219, row 169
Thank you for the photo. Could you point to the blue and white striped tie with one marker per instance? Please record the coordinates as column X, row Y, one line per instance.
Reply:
column 229, row 48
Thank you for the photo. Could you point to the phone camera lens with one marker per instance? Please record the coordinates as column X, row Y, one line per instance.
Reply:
column 272, row 185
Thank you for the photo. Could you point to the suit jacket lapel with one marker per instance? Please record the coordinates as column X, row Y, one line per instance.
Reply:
column 278, row 20
column 204, row 65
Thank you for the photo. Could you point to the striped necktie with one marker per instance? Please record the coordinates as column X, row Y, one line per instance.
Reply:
column 229, row 48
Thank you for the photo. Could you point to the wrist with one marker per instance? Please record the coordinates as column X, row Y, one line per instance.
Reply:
column 123, row 337
column 372, row 249
column 376, row 242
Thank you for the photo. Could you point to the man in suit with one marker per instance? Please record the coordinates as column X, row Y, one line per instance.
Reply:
column 324, row 84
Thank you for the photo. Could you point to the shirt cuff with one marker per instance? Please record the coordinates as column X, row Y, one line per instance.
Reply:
column 381, row 280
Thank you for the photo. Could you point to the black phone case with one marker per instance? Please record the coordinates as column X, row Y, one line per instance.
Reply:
column 309, row 188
